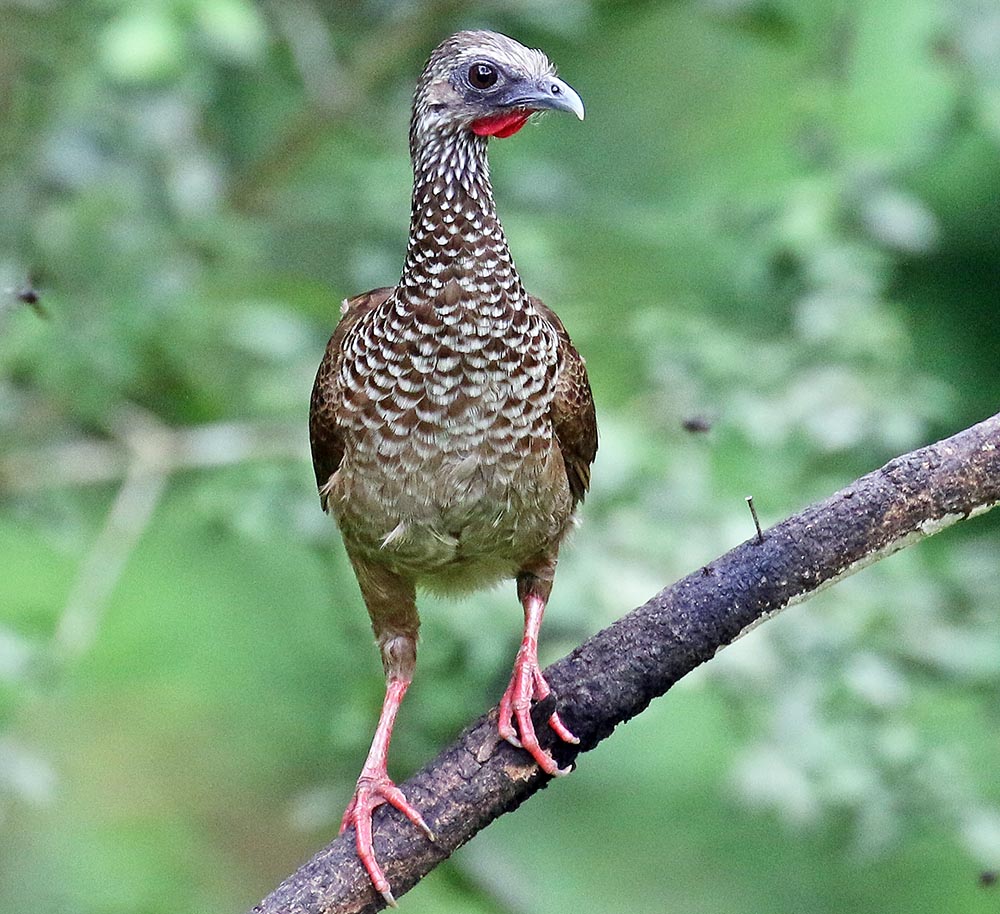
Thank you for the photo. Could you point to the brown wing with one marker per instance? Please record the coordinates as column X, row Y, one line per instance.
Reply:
column 325, row 434
column 573, row 418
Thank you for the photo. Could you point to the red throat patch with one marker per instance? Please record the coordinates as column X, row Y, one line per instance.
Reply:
column 501, row 125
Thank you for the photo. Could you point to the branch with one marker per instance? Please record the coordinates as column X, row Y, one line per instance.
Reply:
column 333, row 99
column 143, row 453
column 163, row 449
column 615, row 675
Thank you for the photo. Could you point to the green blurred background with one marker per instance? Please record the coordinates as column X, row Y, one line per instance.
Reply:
column 780, row 220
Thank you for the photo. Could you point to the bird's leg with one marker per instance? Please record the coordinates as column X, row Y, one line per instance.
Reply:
column 374, row 787
column 527, row 682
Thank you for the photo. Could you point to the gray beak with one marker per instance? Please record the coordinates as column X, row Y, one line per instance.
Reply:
column 547, row 93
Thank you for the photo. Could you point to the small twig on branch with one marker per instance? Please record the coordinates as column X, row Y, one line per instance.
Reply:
column 615, row 675
column 756, row 519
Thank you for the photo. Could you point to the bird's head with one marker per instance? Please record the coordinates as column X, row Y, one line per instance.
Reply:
column 488, row 84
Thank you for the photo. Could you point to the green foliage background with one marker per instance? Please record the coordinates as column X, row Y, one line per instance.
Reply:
column 781, row 216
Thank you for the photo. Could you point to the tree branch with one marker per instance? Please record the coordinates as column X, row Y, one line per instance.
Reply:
column 163, row 449
column 615, row 675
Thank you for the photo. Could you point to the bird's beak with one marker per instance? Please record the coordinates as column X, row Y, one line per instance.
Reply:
column 547, row 93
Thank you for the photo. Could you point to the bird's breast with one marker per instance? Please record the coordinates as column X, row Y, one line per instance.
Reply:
column 443, row 385
column 451, row 455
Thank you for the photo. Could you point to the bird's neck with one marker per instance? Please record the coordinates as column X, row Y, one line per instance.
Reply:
column 456, row 242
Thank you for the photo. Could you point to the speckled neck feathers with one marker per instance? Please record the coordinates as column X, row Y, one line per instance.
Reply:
column 457, row 251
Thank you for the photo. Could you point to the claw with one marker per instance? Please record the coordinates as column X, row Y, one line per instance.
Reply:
column 526, row 685
column 371, row 793
column 562, row 731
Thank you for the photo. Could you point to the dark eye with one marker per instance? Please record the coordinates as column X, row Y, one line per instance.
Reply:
column 482, row 75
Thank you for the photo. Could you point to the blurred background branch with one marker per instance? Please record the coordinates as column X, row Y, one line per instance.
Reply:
column 149, row 447
column 334, row 92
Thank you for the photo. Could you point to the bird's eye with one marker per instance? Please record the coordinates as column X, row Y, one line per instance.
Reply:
column 483, row 75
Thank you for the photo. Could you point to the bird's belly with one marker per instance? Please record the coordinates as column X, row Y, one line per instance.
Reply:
column 454, row 518
column 451, row 473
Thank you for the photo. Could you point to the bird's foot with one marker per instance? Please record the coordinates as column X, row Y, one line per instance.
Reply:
column 372, row 791
column 526, row 684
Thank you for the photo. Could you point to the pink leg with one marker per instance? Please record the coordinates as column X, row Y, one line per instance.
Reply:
column 375, row 788
column 526, row 684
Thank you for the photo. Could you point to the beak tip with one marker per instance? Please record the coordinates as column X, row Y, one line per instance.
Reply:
column 568, row 98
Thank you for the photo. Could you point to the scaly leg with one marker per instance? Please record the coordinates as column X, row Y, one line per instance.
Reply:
column 394, row 617
column 527, row 682
column 375, row 788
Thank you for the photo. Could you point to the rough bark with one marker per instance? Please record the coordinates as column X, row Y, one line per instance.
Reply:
column 614, row 675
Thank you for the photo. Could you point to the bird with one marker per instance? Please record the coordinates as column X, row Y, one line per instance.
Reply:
column 452, row 423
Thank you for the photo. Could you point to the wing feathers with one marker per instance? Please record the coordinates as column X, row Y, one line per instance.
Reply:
column 325, row 434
